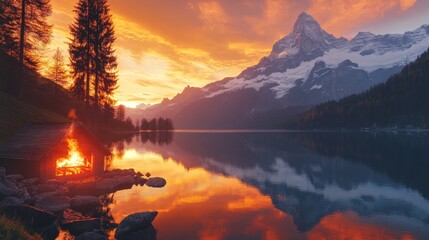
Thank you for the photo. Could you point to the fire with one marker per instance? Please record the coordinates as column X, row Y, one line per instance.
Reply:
column 75, row 163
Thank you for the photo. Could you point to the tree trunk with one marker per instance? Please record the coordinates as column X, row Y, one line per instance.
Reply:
column 97, row 80
column 88, row 79
column 21, row 51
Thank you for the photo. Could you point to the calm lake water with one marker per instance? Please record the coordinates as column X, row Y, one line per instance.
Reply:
column 243, row 185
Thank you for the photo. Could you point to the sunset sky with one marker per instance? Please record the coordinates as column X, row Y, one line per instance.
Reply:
column 163, row 46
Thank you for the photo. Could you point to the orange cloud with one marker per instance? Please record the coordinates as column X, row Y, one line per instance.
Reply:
column 164, row 47
column 213, row 15
column 406, row 4
column 341, row 16
column 337, row 16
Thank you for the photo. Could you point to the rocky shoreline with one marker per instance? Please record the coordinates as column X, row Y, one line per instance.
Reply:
column 78, row 206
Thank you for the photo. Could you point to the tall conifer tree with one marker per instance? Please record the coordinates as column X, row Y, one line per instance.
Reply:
column 92, row 56
column 105, row 64
column 79, row 51
column 24, row 31
column 35, row 31
column 9, row 23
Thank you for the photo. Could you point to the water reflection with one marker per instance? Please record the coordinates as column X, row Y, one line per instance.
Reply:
column 160, row 137
column 197, row 204
column 282, row 186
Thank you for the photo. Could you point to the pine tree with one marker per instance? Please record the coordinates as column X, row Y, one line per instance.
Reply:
column 120, row 113
column 57, row 71
column 105, row 61
column 145, row 124
column 9, row 22
column 79, row 51
column 24, row 31
column 9, row 44
column 92, row 57
column 35, row 31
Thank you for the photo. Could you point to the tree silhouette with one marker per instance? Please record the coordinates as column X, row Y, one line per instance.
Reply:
column 34, row 31
column 79, row 51
column 145, row 124
column 120, row 113
column 129, row 124
column 153, row 125
column 24, row 31
column 9, row 19
column 92, row 56
column 169, row 124
column 57, row 71
column 165, row 124
column 104, row 62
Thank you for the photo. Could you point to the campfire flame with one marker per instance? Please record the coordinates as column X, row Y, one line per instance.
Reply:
column 75, row 163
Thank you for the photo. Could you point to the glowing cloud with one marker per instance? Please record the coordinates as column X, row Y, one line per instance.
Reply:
column 406, row 4
column 162, row 47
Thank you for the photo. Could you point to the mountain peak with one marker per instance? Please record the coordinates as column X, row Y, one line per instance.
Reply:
column 304, row 15
column 307, row 41
column 305, row 21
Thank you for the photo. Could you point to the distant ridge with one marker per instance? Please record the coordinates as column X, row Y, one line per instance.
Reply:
column 306, row 67
column 403, row 101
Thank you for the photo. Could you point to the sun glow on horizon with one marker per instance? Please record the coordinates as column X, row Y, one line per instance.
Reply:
column 211, row 40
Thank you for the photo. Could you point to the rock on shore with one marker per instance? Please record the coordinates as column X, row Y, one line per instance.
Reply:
column 72, row 204
column 134, row 223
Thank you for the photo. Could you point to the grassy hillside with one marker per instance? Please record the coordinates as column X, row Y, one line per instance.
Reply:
column 15, row 114
column 402, row 101
column 13, row 230
column 43, row 100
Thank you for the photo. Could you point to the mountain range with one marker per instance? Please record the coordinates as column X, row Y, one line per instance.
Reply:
column 306, row 67
column 400, row 102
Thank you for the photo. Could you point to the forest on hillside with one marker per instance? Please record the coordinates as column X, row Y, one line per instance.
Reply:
column 402, row 101
column 85, row 86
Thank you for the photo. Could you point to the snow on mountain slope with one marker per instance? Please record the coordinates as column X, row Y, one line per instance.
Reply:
column 370, row 52
column 307, row 67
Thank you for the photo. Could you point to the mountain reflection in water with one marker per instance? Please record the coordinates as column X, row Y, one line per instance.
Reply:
column 282, row 185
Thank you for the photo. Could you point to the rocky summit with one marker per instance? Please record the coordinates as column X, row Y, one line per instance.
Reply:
column 306, row 67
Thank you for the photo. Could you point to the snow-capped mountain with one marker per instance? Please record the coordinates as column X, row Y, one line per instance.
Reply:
column 306, row 67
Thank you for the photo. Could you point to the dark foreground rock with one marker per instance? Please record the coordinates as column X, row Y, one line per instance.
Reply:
column 84, row 203
column 77, row 224
column 78, row 227
column 115, row 184
column 149, row 233
column 134, row 223
column 12, row 201
column 73, row 204
column 30, row 181
column 47, row 187
column 53, row 204
column 9, row 189
column 14, row 177
column 91, row 236
column 156, row 182
column 2, row 172
column 119, row 173
column 58, row 192
column 49, row 232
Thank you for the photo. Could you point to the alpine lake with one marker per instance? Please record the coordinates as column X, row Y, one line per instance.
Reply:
column 277, row 185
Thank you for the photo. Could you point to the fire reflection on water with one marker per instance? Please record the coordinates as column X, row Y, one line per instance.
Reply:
column 212, row 203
